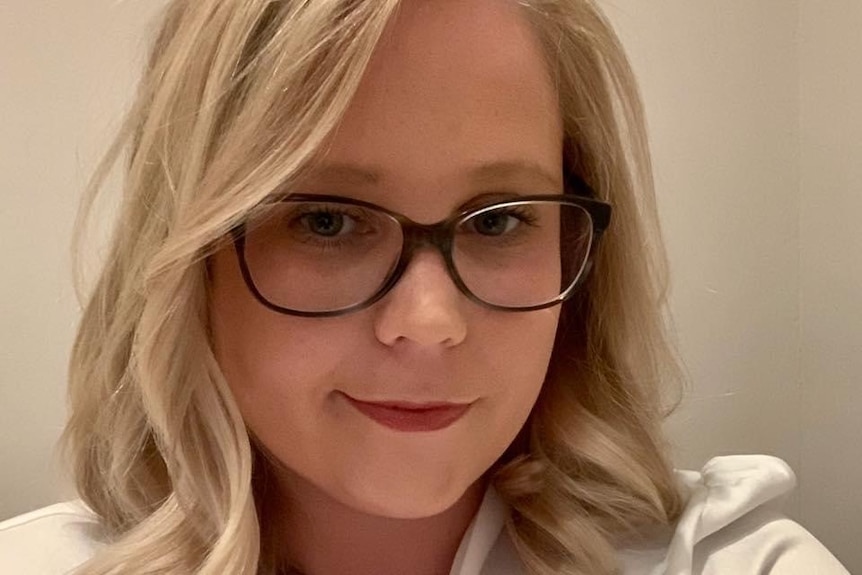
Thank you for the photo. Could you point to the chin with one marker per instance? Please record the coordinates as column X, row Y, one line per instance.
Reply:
column 410, row 500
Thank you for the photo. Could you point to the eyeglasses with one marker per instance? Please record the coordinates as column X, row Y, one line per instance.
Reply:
column 323, row 256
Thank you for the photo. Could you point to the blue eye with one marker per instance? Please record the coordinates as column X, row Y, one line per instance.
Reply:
column 327, row 223
column 500, row 222
column 495, row 223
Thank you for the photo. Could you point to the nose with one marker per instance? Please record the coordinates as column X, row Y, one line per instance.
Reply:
column 424, row 307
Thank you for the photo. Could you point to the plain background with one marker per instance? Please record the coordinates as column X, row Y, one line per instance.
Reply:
column 755, row 112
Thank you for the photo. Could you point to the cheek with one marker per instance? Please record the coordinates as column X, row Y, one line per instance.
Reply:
column 274, row 364
column 515, row 354
column 518, row 346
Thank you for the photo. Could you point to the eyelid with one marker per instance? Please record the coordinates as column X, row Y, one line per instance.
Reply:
column 474, row 203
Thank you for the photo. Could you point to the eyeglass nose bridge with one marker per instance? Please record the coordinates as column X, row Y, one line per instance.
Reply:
column 417, row 236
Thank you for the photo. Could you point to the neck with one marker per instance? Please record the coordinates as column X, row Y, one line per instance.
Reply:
column 321, row 536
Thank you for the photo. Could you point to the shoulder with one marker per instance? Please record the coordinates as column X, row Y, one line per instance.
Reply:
column 733, row 524
column 50, row 541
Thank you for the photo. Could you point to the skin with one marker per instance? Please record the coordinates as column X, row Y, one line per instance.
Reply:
column 453, row 85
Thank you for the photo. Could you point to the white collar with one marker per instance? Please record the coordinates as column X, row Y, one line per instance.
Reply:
column 481, row 535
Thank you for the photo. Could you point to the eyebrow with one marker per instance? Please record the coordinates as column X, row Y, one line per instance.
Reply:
column 513, row 169
column 489, row 173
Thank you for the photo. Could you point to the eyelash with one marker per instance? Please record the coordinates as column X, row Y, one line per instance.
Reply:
column 522, row 214
column 295, row 219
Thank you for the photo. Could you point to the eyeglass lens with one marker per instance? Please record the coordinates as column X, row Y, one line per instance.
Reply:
column 323, row 256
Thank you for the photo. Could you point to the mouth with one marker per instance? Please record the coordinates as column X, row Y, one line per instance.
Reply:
column 411, row 417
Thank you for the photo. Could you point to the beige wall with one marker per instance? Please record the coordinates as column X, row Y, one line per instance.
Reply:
column 831, row 272
column 756, row 118
column 719, row 82
column 66, row 71
column 757, row 133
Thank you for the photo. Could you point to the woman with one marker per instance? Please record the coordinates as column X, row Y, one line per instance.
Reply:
column 367, row 311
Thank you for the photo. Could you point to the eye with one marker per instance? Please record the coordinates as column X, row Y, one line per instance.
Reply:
column 500, row 222
column 494, row 223
column 327, row 223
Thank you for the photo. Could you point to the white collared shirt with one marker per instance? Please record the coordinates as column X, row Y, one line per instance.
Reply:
column 731, row 525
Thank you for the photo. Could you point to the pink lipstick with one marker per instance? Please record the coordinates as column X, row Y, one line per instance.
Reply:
column 403, row 416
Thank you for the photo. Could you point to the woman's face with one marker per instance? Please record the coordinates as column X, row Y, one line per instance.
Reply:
column 454, row 86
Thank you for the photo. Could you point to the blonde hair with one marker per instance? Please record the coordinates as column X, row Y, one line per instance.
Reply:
column 236, row 100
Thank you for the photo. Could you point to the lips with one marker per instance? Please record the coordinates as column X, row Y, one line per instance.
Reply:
column 411, row 417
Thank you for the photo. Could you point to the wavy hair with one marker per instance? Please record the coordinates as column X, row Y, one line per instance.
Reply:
column 236, row 100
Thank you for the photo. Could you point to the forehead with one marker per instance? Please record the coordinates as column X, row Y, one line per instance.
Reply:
column 453, row 85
